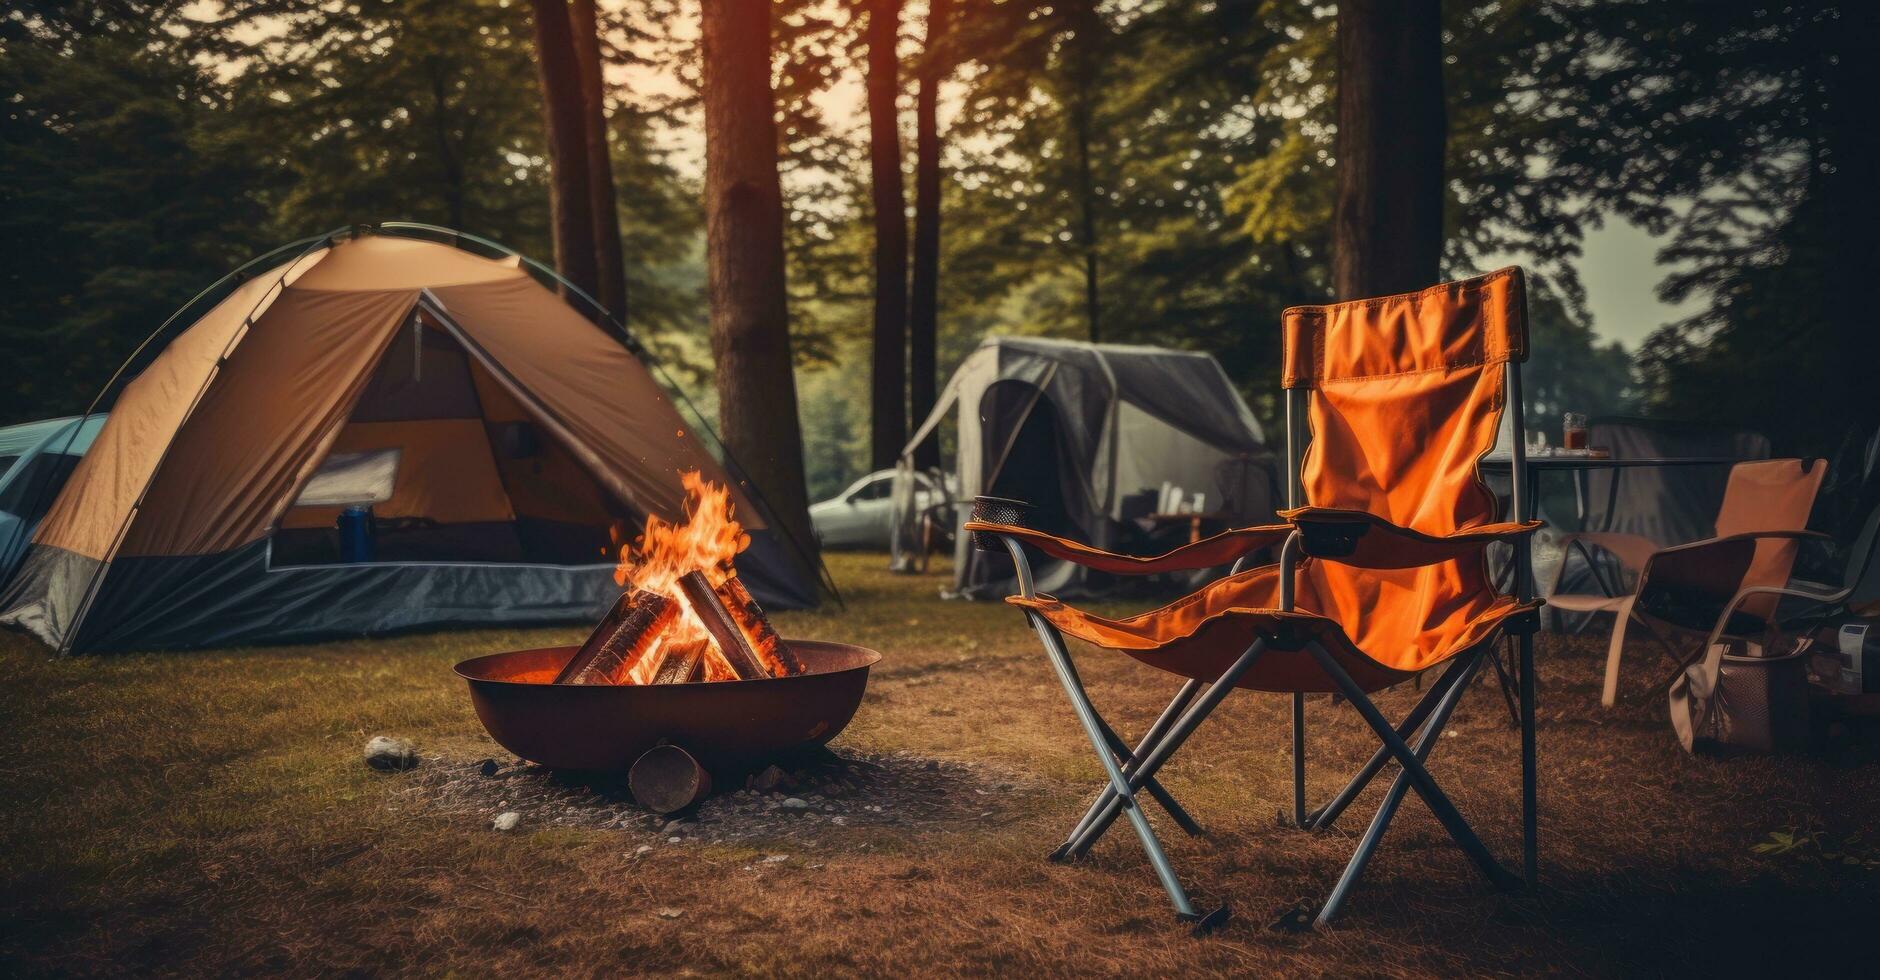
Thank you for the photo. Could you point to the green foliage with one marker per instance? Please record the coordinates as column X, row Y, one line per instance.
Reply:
column 148, row 153
column 117, row 156
column 1747, row 131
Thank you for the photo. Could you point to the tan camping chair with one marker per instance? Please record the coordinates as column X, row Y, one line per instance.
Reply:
column 1681, row 590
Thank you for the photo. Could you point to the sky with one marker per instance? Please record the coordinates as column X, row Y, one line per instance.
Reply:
column 1620, row 269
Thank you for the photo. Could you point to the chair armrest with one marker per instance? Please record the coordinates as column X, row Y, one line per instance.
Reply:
column 1221, row 549
column 1750, row 536
column 1632, row 550
column 1684, row 582
column 1363, row 539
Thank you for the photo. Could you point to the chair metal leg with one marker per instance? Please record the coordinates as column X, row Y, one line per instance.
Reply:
column 1128, row 758
column 1191, row 719
column 1504, row 676
column 1125, row 793
column 1299, row 758
column 1153, row 786
column 1420, row 779
column 1530, row 805
column 1426, row 740
column 1149, row 738
column 1322, row 818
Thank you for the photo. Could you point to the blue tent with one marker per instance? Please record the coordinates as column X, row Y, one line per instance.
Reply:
column 35, row 459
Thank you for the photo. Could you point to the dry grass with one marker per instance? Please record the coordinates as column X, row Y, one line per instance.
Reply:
column 208, row 813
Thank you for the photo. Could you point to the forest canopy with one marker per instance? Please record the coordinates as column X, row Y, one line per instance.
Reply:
column 1141, row 171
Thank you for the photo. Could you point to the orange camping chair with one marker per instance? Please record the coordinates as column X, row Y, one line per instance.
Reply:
column 1382, row 572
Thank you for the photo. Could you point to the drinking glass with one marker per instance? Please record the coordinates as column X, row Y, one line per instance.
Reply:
column 1573, row 430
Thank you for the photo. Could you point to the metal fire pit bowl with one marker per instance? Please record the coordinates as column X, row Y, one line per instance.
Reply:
column 724, row 724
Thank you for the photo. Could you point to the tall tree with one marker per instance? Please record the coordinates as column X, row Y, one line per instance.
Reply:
column 1748, row 134
column 923, row 319
column 1088, row 47
column 1387, row 225
column 750, row 328
column 564, row 111
column 888, row 381
column 610, row 270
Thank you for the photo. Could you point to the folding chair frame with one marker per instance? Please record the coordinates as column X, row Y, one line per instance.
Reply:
column 1130, row 771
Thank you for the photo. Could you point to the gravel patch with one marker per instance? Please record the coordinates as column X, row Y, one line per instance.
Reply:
column 811, row 798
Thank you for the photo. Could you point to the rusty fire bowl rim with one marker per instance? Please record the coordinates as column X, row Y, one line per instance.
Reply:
column 462, row 668
column 726, row 725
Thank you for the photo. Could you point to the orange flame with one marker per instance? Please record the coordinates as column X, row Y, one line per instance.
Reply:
column 707, row 541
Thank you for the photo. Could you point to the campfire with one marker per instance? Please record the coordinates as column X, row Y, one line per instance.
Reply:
column 683, row 616
column 646, row 677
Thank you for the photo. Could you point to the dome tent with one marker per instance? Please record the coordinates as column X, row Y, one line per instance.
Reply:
column 503, row 434
column 1087, row 433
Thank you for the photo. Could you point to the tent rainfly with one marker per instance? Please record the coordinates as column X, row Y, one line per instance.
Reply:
column 1100, row 438
column 497, row 436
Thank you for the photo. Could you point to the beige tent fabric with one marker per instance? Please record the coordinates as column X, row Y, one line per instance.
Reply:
column 214, row 475
column 624, row 426
column 375, row 262
column 446, row 472
column 552, row 485
column 267, row 421
column 113, row 474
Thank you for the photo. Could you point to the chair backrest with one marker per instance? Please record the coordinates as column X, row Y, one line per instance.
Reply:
column 1770, row 495
column 1405, row 395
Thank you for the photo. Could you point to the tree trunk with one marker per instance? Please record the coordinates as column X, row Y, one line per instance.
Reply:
column 750, row 327
column 923, row 323
column 564, row 115
column 888, row 383
column 1387, row 225
column 610, row 265
column 1086, row 64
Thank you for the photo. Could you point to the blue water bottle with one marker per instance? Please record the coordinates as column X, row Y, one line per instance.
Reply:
column 355, row 534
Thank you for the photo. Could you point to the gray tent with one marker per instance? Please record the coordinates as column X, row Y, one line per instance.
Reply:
column 36, row 458
column 1097, row 437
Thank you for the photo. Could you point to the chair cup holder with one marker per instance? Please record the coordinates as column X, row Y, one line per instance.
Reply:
column 998, row 510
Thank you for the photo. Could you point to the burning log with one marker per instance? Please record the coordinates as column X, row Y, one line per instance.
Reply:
column 667, row 779
column 754, row 624
column 629, row 632
column 683, row 664
column 732, row 644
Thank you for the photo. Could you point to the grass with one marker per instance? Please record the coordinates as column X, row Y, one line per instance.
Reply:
column 208, row 813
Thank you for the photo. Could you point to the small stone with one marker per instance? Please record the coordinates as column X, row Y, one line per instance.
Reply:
column 389, row 754
column 668, row 913
column 775, row 858
column 507, row 820
column 839, row 821
column 488, row 767
column 673, row 827
column 643, row 850
column 795, row 803
column 771, row 778
column 675, row 840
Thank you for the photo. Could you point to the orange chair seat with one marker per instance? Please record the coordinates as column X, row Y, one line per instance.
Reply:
column 1379, row 636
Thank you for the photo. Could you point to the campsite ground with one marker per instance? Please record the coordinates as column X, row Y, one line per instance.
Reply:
column 209, row 813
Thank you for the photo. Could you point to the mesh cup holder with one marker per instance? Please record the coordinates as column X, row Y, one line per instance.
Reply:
column 997, row 510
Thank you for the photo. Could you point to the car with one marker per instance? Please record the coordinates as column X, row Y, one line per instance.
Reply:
column 862, row 516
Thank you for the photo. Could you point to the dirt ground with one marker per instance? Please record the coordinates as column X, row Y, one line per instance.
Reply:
column 209, row 813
